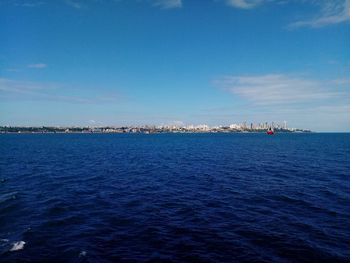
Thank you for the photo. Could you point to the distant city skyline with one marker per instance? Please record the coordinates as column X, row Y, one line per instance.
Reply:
column 265, row 127
column 167, row 62
column 243, row 125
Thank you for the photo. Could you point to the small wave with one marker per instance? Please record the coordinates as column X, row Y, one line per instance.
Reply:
column 7, row 197
column 82, row 253
column 3, row 244
column 18, row 246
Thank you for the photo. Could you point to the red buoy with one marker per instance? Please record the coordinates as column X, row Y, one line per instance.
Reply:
column 270, row 131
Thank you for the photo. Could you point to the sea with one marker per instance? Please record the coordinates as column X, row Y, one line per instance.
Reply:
column 239, row 197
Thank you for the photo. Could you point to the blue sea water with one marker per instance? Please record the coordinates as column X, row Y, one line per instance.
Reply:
column 175, row 197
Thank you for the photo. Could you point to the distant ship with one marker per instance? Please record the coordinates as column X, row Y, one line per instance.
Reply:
column 270, row 131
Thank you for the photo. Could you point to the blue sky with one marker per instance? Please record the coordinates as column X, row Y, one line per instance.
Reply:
column 134, row 62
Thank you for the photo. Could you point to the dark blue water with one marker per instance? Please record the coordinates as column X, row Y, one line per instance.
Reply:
column 175, row 197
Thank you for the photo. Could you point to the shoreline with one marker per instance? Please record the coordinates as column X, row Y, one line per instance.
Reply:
column 168, row 132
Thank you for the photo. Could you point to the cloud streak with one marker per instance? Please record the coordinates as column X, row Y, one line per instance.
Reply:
column 321, row 105
column 333, row 12
column 244, row 4
column 26, row 90
column 272, row 89
column 168, row 4
column 23, row 3
column 17, row 86
column 75, row 4
column 163, row 4
column 37, row 66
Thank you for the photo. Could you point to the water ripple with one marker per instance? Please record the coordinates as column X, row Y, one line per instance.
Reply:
column 175, row 198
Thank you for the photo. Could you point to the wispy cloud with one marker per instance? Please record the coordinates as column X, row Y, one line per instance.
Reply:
column 23, row 3
column 333, row 12
column 75, row 3
column 92, row 121
column 27, row 90
column 321, row 105
column 282, row 89
column 18, row 86
column 244, row 4
column 12, row 70
column 168, row 4
column 39, row 65
column 163, row 4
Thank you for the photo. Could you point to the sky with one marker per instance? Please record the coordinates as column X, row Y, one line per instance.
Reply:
column 161, row 62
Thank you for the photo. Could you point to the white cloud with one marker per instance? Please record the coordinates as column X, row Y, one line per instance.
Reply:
column 243, row 4
column 39, row 65
column 75, row 4
column 333, row 12
column 168, row 4
column 282, row 89
column 27, row 90
column 23, row 3
column 341, row 81
column 320, row 105
column 12, row 70
column 164, row 4
column 30, row 4
column 17, row 86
